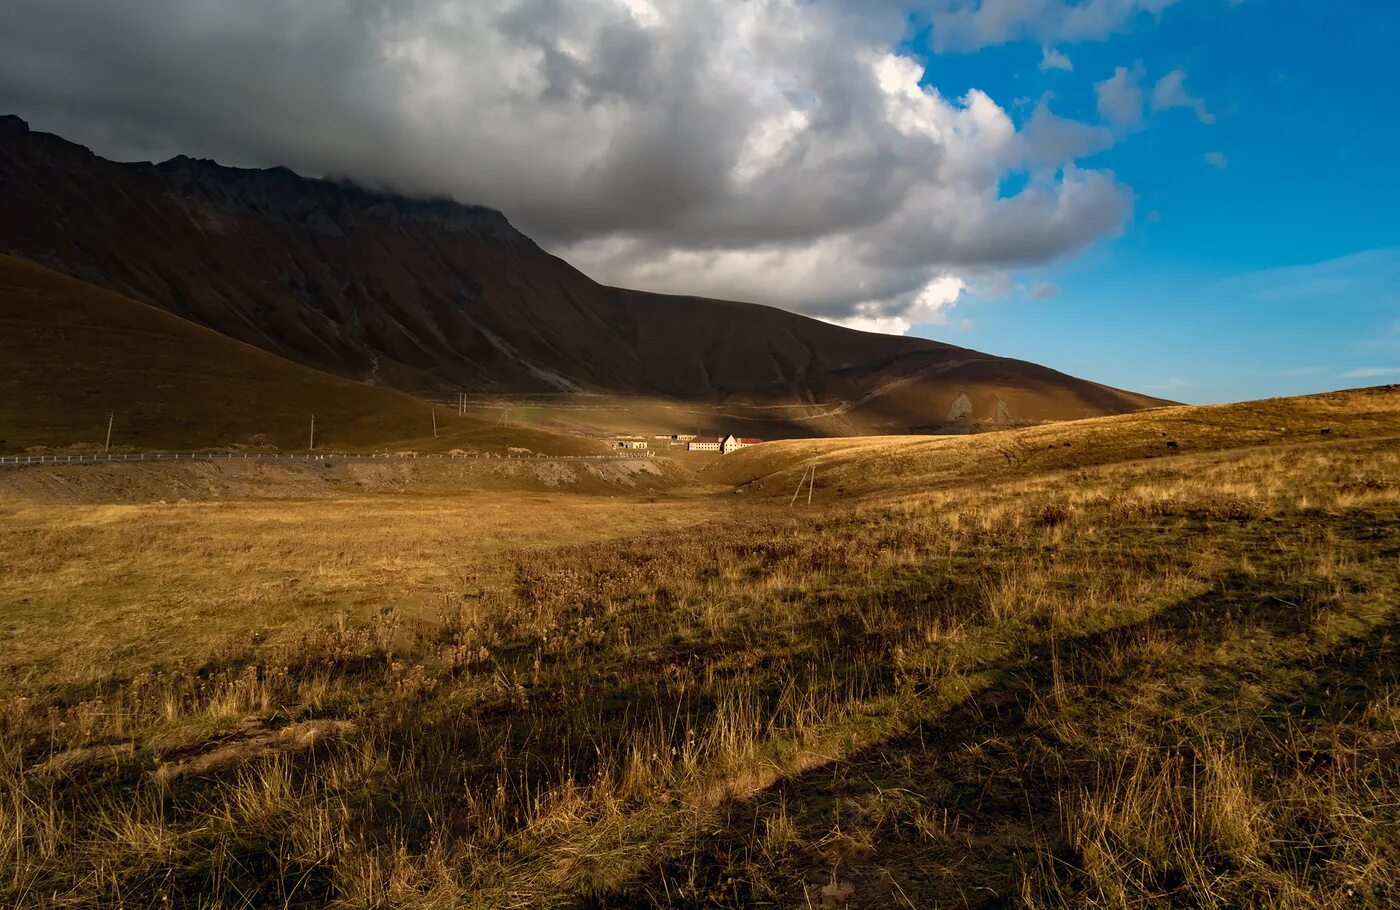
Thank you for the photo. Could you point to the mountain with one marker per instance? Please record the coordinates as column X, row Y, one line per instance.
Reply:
column 71, row 353
column 435, row 296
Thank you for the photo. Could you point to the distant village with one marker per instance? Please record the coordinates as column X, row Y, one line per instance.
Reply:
column 722, row 444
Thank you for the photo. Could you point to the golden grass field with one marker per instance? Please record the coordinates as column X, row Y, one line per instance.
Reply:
column 890, row 465
column 96, row 588
column 990, row 671
column 72, row 353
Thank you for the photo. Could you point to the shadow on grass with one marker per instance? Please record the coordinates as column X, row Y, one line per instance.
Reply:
column 958, row 810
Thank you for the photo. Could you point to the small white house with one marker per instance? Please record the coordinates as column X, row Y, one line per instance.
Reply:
column 732, row 443
column 722, row 444
column 631, row 444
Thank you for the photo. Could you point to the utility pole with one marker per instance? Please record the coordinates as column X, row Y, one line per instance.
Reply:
column 111, row 417
column 800, row 481
column 313, row 432
column 809, row 477
column 435, row 423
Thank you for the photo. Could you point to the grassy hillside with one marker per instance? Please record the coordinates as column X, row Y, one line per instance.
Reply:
column 886, row 465
column 1150, row 684
column 995, row 401
column 71, row 352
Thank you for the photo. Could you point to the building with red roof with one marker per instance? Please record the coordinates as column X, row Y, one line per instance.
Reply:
column 722, row 444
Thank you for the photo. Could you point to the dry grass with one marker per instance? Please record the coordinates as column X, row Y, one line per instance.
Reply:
column 1148, row 685
column 71, row 352
column 889, row 465
column 87, row 586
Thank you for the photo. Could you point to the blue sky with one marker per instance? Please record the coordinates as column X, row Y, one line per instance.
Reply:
column 1275, row 270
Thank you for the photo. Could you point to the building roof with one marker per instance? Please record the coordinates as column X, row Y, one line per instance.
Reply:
column 713, row 439
column 749, row 440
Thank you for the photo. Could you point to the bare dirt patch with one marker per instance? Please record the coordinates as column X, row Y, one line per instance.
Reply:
column 71, row 761
column 252, row 740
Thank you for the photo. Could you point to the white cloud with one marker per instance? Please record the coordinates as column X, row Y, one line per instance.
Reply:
column 995, row 284
column 1217, row 160
column 971, row 24
column 1371, row 373
column 1170, row 92
column 1043, row 290
column 1120, row 96
column 1050, row 140
column 775, row 151
column 928, row 307
column 1052, row 59
column 644, row 12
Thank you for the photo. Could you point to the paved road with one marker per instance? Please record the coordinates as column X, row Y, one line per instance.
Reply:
column 22, row 460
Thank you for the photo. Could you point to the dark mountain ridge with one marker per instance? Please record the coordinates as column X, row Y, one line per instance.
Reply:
column 433, row 295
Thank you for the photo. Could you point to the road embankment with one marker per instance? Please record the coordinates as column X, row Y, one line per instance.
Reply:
column 195, row 479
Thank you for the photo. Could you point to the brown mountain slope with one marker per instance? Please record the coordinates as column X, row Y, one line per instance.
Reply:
column 71, row 352
column 434, row 295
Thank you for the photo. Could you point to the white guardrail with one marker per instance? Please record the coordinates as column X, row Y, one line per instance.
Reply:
column 260, row 456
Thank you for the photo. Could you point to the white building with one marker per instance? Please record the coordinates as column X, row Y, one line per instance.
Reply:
column 731, row 442
column 722, row 444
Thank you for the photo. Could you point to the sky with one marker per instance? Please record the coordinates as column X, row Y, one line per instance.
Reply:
column 1190, row 198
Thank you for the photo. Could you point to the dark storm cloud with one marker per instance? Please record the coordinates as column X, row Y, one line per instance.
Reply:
column 776, row 151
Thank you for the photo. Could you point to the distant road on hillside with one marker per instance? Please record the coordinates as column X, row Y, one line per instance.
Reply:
column 150, row 457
